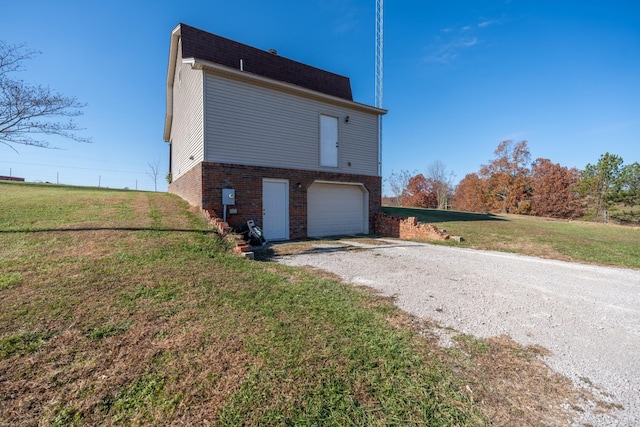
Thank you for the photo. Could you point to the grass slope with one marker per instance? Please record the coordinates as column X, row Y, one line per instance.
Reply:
column 558, row 239
column 124, row 308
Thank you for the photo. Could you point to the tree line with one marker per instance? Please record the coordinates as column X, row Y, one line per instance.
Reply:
column 512, row 183
column 431, row 191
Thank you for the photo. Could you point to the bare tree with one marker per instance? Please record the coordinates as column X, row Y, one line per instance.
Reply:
column 398, row 181
column 442, row 182
column 154, row 171
column 28, row 112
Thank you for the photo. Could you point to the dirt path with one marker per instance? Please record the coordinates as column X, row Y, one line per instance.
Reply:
column 587, row 316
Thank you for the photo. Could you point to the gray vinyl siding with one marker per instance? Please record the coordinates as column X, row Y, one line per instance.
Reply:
column 187, row 131
column 259, row 126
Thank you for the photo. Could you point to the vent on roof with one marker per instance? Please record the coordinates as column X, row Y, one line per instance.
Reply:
column 273, row 51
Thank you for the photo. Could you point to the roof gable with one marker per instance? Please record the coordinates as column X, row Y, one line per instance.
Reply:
column 210, row 47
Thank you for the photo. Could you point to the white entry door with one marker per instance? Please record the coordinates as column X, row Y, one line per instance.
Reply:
column 275, row 209
column 328, row 141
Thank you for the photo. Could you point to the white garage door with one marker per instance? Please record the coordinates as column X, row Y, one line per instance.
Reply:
column 334, row 209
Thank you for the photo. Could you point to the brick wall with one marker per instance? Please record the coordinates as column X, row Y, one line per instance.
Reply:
column 247, row 181
column 225, row 231
column 406, row 228
column 202, row 186
column 189, row 186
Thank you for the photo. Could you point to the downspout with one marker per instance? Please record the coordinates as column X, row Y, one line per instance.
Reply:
column 380, row 145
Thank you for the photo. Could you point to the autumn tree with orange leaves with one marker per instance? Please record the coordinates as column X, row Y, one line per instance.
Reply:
column 507, row 177
column 420, row 192
column 555, row 190
column 470, row 194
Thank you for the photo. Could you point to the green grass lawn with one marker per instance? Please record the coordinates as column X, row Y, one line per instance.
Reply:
column 559, row 239
column 124, row 308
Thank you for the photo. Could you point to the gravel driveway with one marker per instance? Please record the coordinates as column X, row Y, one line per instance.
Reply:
column 587, row 316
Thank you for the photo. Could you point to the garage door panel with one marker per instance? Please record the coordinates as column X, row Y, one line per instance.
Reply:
column 335, row 209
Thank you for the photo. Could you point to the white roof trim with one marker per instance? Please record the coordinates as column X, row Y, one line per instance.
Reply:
column 173, row 57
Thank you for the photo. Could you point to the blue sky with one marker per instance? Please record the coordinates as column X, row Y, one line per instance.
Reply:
column 459, row 76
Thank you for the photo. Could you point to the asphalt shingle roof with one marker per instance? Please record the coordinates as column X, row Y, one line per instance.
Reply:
column 200, row 44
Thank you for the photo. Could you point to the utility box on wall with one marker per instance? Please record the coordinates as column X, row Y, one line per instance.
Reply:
column 228, row 196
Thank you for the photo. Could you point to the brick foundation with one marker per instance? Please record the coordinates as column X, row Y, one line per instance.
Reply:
column 202, row 186
column 406, row 228
column 189, row 186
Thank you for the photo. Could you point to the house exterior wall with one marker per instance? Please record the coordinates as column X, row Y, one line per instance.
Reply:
column 189, row 185
column 187, row 130
column 232, row 128
column 250, row 124
column 247, row 182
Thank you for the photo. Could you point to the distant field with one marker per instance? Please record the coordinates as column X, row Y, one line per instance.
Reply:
column 558, row 239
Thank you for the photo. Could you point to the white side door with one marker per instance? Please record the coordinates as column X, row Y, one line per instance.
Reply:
column 275, row 209
column 328, row 141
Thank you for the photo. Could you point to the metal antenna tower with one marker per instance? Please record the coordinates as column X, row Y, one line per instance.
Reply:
column 379, row 50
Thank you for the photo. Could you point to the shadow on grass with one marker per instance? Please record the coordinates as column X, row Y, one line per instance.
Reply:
column 435, row 215
column 53, row 230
